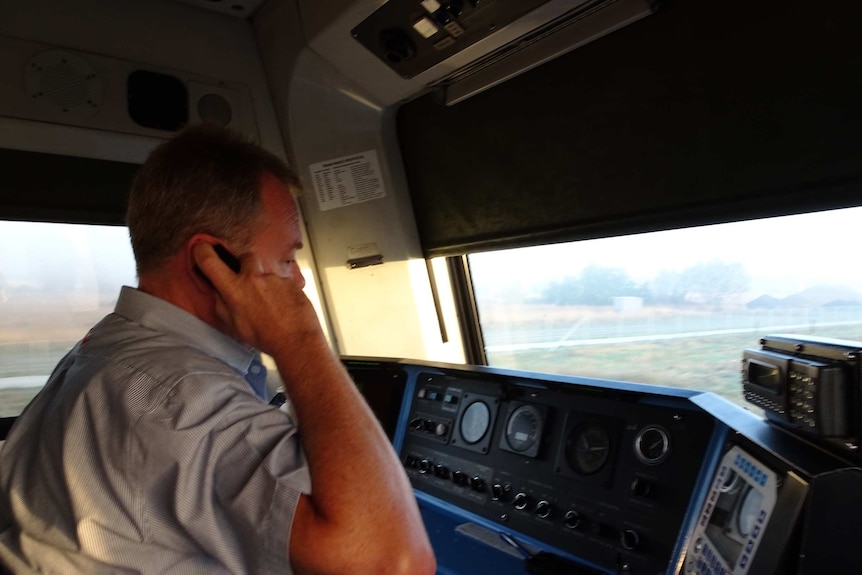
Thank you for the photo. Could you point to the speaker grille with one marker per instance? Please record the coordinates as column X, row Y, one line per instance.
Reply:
column 63, row 83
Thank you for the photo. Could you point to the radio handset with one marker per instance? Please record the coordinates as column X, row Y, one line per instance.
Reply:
column 224, row 255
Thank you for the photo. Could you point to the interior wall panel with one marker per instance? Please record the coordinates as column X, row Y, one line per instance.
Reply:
column 700, row 113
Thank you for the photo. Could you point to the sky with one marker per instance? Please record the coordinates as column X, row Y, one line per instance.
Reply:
column 74, row 254
column 781, row 255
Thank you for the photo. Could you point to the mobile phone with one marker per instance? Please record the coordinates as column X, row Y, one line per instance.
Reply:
column 228, row 258
column 224, row 255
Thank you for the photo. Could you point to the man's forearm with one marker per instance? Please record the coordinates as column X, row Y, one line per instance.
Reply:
column 357, row 479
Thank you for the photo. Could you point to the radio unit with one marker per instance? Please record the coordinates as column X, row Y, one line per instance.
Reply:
column 808, row 385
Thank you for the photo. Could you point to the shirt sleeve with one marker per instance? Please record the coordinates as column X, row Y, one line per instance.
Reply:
column 221, row 474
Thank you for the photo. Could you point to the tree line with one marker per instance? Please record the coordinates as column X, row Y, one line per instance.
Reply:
column 705, row 283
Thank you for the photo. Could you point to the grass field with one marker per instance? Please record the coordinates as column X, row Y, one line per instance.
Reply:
column 710, row 363
column 706, row 363
column 14, row 400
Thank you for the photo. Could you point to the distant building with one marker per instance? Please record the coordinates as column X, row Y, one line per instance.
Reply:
column 628, row 303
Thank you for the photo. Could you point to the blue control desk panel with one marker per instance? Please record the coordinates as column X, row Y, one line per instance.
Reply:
column 518, row 473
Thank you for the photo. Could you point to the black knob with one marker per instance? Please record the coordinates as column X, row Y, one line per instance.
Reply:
column 496, row 492
column 520, row 501
column 629, row 539
column 397, row 46
column 641, row 487
column 416, row 424
column 460, row 478
column 424, row 466
column 441, row 470
column 543, row 509
column 478, row 484
column 572, row 519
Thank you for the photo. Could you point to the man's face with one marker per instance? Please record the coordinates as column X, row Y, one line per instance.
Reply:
column 278, row 240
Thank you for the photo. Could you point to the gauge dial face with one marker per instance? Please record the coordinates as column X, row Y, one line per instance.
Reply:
column 523, row 428
column 749, row 509
column 732, row 483
column 588, row 448
column 475, row 421
column 652, row 445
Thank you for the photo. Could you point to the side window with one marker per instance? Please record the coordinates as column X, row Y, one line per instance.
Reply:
column 56, row 281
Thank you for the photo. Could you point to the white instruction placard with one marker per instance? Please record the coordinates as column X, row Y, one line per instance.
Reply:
column 347, row 180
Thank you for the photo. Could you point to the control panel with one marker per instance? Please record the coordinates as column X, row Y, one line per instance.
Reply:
column 733, row 520
column 411, row 36
column 600, row 473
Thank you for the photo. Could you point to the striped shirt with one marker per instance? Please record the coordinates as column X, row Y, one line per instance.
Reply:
column 150, row 451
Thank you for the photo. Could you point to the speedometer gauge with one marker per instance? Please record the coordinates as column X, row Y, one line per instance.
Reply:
column 475, row 422
column 523, row 428
column 588, row 448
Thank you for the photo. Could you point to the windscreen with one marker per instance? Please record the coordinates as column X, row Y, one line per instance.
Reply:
column 672, row 308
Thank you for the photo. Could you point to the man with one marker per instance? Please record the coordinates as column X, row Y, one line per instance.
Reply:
column 152, row 448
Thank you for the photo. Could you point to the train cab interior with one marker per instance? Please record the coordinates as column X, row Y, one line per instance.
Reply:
column 474, row 172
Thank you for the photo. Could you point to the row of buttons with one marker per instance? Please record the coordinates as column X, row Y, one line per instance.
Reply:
column 628, row 538
column 804, row 417
column 802, row 391
column 438, row 428
column 437, row 396
column 763, row 402
column 543, row 509
column 440, row 470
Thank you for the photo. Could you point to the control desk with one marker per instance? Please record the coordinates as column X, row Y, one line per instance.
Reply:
column 532, row 473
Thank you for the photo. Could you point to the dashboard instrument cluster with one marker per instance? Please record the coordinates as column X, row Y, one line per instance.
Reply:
column 604, row 473
column 533, row 473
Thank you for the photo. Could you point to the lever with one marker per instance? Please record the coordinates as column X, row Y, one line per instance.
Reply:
column 544, row 563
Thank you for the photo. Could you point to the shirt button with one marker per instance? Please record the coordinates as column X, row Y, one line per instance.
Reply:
column 255, row 369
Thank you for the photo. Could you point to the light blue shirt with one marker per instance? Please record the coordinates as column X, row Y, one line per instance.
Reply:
column 150, row 450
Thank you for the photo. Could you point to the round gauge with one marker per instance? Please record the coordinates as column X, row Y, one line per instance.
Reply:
column 652, row 445
column 474, row 422
column 748, row 511
column 731, row 483
column 523, row 428
column 588, row 448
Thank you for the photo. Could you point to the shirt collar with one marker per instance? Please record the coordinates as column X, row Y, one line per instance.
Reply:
column 159, row 315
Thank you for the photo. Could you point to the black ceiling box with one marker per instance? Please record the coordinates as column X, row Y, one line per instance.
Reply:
column 382, row 384
column 699, row 114
column 50, row 187
column 157, row 101
column 411, row 36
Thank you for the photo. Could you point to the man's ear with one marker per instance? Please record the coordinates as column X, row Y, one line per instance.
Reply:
column 201, row 281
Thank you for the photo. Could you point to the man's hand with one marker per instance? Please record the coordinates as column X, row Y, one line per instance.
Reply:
column 261, row 309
